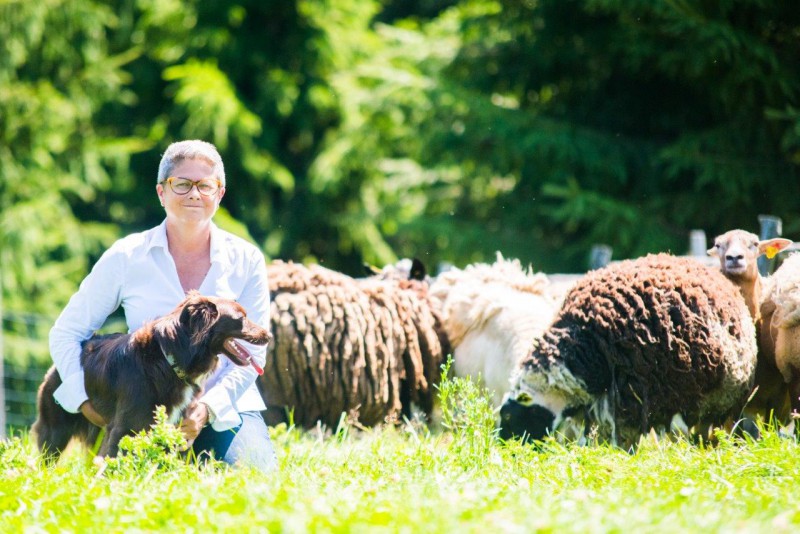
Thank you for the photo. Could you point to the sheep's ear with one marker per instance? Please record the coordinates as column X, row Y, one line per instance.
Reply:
column 770, row 247
column 418, row 271
column 371, row 270
column 713, row 251
column 524, row 399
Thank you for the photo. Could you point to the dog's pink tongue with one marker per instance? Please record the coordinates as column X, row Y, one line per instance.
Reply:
column 244, row 355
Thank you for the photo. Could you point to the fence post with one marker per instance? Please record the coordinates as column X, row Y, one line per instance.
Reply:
column 697, row 244
column 599, row 256
column 771, row 226
column 2, row 365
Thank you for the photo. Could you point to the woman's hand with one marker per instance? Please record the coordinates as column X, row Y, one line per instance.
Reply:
column 91, row 414
column 195, row 418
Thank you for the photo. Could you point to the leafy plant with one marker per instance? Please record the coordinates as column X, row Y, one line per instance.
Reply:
column 157, row 449
column 467, row 413
column 13, row 454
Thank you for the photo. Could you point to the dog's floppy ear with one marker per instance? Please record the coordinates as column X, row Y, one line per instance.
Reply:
column 198, row 308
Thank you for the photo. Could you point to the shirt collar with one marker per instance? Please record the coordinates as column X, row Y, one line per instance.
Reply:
column 159, row 239
column 217, row 246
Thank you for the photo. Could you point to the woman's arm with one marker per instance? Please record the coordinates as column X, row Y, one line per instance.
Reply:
column 87, row 310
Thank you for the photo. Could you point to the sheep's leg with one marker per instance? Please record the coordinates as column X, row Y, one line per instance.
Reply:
column 679, row 427
column 794, row 392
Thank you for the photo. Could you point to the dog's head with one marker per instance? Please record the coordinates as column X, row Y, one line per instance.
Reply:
column 202, row 327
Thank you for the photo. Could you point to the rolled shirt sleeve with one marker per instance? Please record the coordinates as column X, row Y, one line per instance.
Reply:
column 225, row 388
column 87, row 310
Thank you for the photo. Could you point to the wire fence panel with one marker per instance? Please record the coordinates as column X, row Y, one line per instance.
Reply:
column 21, row 384
column 26, row 335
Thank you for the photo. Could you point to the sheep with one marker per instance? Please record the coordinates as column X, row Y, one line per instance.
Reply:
column 781, row 333
column 492, row 314
column 656, row 342
column 368, row 348
column 738, row 252
column 404, row 269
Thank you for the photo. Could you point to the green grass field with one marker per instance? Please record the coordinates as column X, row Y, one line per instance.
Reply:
column 410, row 479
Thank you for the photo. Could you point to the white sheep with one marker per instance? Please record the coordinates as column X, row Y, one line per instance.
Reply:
column 781, row 317
column 491, row 314
column 738, row 252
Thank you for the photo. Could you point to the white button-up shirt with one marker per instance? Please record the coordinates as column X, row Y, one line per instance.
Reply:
column 139, row 273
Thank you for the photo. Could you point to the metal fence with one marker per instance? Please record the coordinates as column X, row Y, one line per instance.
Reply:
column 20, row 377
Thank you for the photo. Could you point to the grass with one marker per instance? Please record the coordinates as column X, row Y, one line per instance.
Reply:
column 410, row 479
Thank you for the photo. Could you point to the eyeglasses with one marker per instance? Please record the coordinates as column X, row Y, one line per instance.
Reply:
column 206, row 186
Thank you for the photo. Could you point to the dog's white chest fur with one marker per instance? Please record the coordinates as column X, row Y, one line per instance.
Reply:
column 188, row 396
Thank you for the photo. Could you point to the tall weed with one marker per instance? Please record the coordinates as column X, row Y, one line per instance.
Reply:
column 468, row 414
column 154, row 450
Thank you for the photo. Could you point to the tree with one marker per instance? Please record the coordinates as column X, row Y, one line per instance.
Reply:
column 623, row 122
column 56, row 76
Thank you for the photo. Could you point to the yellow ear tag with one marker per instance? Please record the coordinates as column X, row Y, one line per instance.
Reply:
column 771, row 251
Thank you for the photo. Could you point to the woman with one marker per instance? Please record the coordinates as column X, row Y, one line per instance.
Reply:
column 149, row 273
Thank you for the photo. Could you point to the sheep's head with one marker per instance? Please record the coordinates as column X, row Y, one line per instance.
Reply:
column 738, row 251
column 518, row 419
column 404, row 269
column 531, row 417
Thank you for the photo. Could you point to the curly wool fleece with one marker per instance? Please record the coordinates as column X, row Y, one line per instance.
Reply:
column 640, row 341
column 367, row 347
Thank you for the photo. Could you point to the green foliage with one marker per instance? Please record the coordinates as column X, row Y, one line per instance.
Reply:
column 156, row 449
column 651, row 109
column 467, row 413
column 13, row 455
column 56, row 75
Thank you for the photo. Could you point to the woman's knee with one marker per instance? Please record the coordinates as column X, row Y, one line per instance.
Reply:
column 251, row 446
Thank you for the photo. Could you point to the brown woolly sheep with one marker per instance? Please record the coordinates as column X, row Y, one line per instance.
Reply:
column 738, row 252
column 637, row 345
column 368, row 348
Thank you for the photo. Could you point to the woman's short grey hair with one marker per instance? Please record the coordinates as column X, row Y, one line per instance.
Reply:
column 190, row 149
